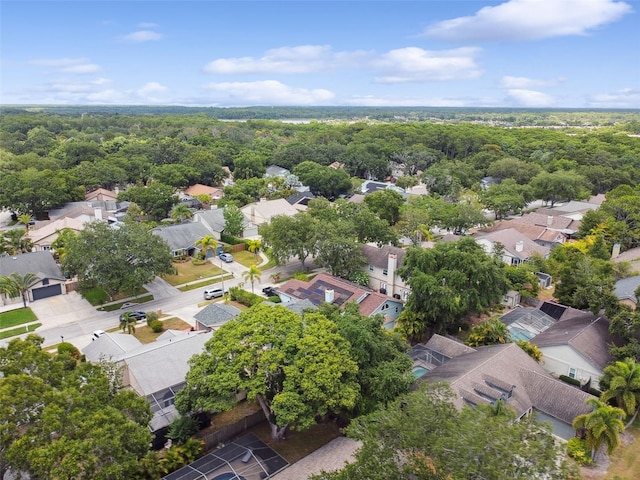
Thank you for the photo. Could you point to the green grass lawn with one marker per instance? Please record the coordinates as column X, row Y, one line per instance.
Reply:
column 624, row 461
column 247, row 258
column 97, row 296
column 188, row 272
column 19, row 331
column 17, row 317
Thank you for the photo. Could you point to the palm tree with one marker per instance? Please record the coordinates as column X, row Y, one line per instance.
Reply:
column 181, row 212
column 16, row 284
column 624, row 385
column 254, row 247
column 206, row 244
column 128, row 323
column 16, row 241
column 25, row 219
column 252, row 275
column 602, row 426
column 61, row 244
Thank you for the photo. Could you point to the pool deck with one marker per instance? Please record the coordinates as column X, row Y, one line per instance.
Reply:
column 330, row 457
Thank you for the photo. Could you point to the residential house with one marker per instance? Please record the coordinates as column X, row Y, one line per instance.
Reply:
column 300, row 200
column 100, row 210
column 214, row 193
column 625, row 291
column 632, row 256
column 370, row 186
column 326, row 288
column 541, row 235
column 264, row 210
column 214, row 315
column 182, row 237
column 382, row 265
column 437, row 351
column 47, row 232
column 101, row 195
column 213, row 220
column 576, row 346
column 514, row 248
column 276, row 171
column 51, row 280
column 505, row 372
column 156, row 370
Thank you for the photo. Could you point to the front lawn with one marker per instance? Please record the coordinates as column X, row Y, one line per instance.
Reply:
column 146, row 335
column 188, row 272
column 97, row 296
column 17, row 317
column 19, row 331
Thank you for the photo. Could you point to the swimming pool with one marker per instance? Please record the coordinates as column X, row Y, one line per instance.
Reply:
column 419, row 371
column 228, row 476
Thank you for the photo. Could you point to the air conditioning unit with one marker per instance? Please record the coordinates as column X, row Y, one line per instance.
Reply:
column 383, row 291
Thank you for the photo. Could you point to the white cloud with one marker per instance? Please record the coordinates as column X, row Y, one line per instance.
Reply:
column 150, row 91
column 75, row 66
column 529, row 98
column 525, row 82
column 268, row 92
column 286, row 60
column 530, row 20
column 624, row 98
column 413, row 64
column 142, row 36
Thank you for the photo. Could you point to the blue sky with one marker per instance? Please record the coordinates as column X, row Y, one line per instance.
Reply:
column 458, row 53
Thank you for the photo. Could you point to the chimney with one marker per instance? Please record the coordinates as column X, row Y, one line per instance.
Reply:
column 392, row 264
column 615, row 253
column 329, row 295
column 519, row 246
column 549, row 220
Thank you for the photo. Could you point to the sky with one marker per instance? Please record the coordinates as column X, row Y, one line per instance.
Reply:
column 440, row 53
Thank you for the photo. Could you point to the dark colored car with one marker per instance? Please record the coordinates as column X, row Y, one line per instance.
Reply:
column 137, row 315
column 269, row 291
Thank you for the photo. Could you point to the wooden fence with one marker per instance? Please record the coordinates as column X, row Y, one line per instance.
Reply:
column 213, row 439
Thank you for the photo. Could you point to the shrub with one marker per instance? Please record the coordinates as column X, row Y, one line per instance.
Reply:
column 577, row 449
column 275, row 299
column 246, row 298
column 230, row 239
column 569, row 380
column 152, row 317
column 66, row 348
column 157, row 326
column 359, row 277
column 198, row 261
column 182, row 428
column 301, row 276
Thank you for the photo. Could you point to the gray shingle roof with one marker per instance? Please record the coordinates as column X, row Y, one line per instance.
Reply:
column 379, row 257
column 587, row 334
column 625, row 288
column 216, row 314
column 506, row 371
column 41, row 264
column 183, row 235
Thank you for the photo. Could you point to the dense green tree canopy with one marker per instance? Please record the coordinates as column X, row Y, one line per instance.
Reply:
column 288, row 237
column 447, row 282
column 323, row 181
column 117, row 260
column 66, row 421
column 296, row 368
column 422, row 436
column 155, row 200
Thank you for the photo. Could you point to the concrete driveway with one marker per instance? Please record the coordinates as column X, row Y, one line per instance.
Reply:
column 63, row 309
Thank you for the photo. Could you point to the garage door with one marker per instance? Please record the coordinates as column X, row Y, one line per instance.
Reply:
column 48, row 291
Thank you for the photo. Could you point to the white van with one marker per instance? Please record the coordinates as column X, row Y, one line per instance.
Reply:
column 210, row 293
column 97, row 334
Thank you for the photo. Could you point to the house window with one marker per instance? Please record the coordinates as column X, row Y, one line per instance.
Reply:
column 384, row 271
column 371, row 268
column 46, row 248
column 572, row 372
column 405, row 294
column 45, row 281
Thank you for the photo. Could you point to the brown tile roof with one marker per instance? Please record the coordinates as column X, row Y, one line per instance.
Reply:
column 550, row 221
column 509, row 238
column 343, row 292
column 378, row 257
column 587, row 334
column 200, row 189
column 101, row 194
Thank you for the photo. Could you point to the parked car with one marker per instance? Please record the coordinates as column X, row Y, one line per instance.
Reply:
column 137, row 315
column 210, row 293
column 269, row 291
column 226, row 257
column 97, row 334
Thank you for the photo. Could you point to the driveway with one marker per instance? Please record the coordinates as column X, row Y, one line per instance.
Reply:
column 63, row 309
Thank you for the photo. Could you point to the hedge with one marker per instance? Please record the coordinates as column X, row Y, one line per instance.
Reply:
column 569, row 380
column 230, row 239
column 246, row 298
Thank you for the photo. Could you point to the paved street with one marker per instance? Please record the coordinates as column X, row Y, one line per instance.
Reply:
column 72, row 318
